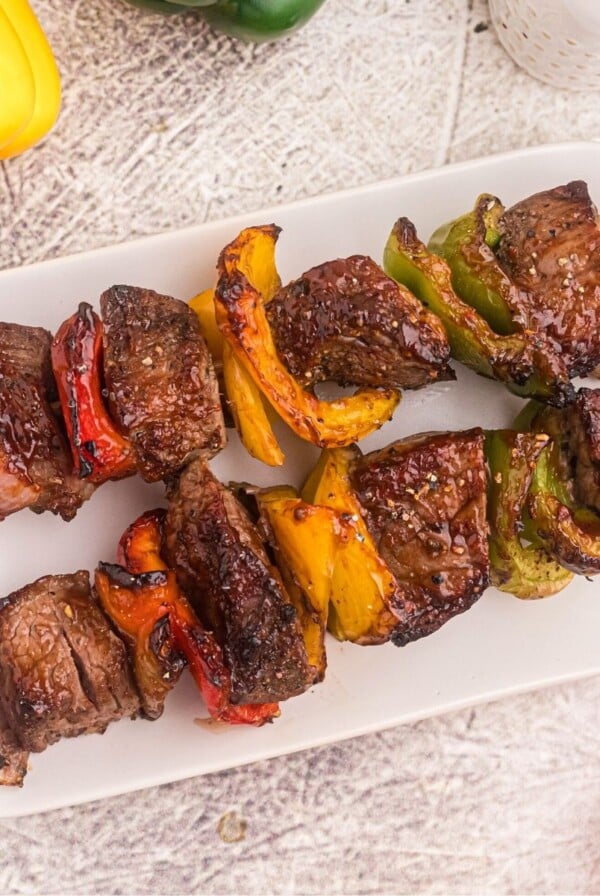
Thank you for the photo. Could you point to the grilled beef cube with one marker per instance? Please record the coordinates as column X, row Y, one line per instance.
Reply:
column 347, row 321
column 35, row 465
column 550, row 249
column 13, row 759
column 62, row 670
column 222, row 567
column 424, row 502
column 162, row 389
column 26, row 349
column 583, row 420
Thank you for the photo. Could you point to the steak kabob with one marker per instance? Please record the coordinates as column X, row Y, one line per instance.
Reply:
column 241, row 584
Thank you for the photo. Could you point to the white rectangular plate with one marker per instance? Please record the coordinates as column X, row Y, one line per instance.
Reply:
column 501, row 646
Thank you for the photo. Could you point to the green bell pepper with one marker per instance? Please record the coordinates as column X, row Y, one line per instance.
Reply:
column 525, row 570
column 467, row 245
column 568, row 531
column 252, row 20
column 515, row 358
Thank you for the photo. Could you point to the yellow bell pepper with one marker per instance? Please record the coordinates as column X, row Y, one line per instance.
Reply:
column 305, row 539
column 362, row 587
column 245, row 400
column 29, row 79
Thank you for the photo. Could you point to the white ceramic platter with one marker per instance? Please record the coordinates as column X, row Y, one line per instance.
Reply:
column 501, row 646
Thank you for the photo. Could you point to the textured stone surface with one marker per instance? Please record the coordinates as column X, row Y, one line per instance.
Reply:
column 165, row 124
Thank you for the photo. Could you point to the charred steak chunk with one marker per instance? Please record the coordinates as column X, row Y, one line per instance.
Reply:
column 13, row 759
column 26, row 349
column 222, row 567
column 162, row 389
column 62, row 670
column 583, row 423
column 35, row 465
column 424, row 502
column 550, row 249
column 347, row 321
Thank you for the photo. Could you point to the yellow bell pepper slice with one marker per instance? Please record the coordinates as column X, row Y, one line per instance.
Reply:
column 204, row 306
column 245, row 400
column 247, row 268
column 45, row 104
column 305, row 541
column 362, row 586
column 249, row 413
column 17, row 88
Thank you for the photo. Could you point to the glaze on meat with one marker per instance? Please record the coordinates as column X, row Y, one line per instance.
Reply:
column 162, row 389
column 348, row 322
column 550, row 249
column 424, row 502
column 35, row 465
column 223, row 569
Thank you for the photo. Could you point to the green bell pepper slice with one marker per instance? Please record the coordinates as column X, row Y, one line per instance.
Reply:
column 525, row 570
column 251, row 20
column 467, row 245
column 568, row 531
column 515, row 359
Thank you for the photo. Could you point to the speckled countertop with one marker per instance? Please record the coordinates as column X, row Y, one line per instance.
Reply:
column 166, row 124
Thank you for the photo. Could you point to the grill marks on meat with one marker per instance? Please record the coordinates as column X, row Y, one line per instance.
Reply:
column 550, row 249
column 162, row 388
column 62, row 670
column 347, row 321
column 223, row 569
column 424, row 502
column 35, row 465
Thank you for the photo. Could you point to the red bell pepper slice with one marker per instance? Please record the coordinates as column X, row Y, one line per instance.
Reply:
column 99, row 451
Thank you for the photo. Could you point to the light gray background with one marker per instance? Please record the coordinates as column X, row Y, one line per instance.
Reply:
column 166, row 124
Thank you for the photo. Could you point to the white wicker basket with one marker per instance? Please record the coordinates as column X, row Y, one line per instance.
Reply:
column 557, row 41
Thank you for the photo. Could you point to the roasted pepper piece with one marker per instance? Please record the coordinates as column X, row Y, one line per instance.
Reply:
column 138, row 605
column 569, row 532
column 17, row 87
column 252, row 20
column 527, row 571
column 305, row 542
column 204, row 306
column 248, row 411
column 466, row 245
column 243, row 266
column 245, row 400
column 518, row 360
column 99, row 451
column 45, row 77
column 362, row 587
